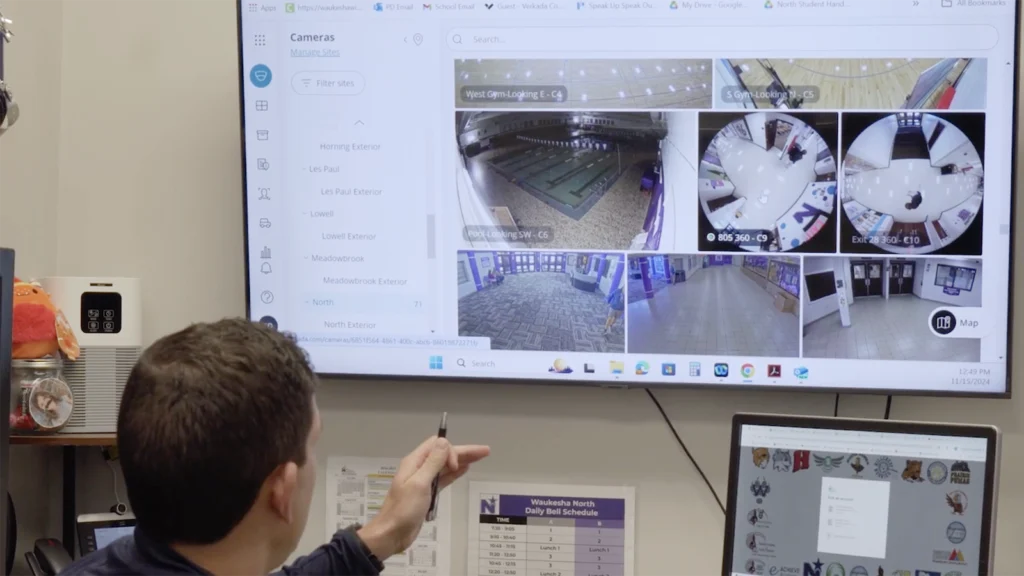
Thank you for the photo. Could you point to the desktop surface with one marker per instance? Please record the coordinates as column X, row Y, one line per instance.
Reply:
column 853, row 500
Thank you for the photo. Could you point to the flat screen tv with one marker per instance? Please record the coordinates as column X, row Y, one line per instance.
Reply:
column 635, row 194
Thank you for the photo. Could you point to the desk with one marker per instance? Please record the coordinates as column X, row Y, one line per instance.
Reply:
column 68, row 443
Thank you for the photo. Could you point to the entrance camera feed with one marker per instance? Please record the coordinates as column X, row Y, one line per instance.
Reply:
column 853, row 84
column 640, row 83
column 913, row 183
column 724, row 304
column 872, row 308
column 550, row 301
column 561, row 180
column 768, row 182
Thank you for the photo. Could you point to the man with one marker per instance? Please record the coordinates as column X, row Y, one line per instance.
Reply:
column 217, row 436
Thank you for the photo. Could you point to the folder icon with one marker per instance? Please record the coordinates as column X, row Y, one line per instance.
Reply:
column 616, row 366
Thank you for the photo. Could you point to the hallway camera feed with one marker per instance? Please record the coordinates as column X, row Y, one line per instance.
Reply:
column 767, row 182
column 853, row 84
column 584, row 83
column 549, row 301
column 714, row 304
column 913, row 183
column 562, row 180
column 880, row 308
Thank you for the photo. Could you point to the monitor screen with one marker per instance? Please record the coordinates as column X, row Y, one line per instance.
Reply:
column 820, row 502
column 105, row 536
column 732, row 193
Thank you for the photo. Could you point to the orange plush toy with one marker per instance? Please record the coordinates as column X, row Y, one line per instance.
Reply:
column 40, row 329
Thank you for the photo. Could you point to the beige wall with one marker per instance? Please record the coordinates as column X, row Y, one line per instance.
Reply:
column 126, row 162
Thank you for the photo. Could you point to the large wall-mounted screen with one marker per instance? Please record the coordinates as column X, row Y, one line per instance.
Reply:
column 782, row 193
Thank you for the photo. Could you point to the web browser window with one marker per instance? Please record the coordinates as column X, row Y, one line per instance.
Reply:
column 726, row 192
column 883, row 503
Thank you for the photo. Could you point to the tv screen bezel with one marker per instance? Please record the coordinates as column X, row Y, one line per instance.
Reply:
column 611, row 383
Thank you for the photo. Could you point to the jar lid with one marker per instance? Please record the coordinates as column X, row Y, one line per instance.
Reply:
column 38, row 364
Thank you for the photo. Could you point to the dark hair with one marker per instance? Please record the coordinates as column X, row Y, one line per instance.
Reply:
column 207, row 414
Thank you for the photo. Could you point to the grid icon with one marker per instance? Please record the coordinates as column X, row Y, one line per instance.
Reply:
column 262, row 105
column 436, row 363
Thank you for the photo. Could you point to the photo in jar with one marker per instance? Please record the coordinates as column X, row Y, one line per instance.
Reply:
column 50, row 403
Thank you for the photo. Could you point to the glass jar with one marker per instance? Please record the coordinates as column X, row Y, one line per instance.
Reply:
column 41, row 400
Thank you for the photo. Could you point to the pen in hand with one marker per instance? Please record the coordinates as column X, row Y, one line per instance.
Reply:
column 442, row 431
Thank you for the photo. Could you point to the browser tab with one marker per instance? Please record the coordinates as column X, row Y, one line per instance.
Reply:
column 540, row 6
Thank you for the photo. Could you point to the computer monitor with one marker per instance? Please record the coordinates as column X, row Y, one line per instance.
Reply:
column 97, row 531
column 760, row 194
column 6, row 302
column 848, row 497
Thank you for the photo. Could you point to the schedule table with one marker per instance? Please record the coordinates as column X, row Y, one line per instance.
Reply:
column 524, row 530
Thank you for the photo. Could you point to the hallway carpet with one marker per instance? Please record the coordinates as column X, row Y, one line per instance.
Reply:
column 540, row 311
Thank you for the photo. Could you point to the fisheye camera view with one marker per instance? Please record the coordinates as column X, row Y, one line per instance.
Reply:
column 577, row 180
column 584, row 83
column 767, row 182
column 913, row 183
column 874, row 308
column 714, row 304
column 551, row 301
column 855, row 83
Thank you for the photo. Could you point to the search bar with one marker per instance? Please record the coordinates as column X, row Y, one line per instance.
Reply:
column 734, row 39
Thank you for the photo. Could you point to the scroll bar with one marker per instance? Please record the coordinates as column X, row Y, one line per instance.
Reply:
column 435, row 313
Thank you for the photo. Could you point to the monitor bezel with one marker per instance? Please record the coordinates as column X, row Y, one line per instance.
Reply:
column 992, row 452
column 619, row 384
column 6, row 310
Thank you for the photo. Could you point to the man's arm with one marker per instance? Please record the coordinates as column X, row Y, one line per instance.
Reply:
column 344, row 555
column 400, row 518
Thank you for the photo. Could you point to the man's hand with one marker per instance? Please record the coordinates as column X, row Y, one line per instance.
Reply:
column 399, row 521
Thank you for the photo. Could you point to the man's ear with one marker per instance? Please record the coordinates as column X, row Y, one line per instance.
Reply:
column 282, row 484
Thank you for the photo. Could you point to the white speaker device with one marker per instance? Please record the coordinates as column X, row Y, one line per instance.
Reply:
column 106, row 314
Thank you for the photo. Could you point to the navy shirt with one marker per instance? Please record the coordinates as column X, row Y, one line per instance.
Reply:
column 142, row 556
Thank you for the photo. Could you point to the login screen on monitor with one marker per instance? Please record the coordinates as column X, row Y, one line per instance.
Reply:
column 785, row 193
column 818, row 502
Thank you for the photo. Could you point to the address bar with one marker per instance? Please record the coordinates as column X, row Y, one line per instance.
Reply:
column 953, row 40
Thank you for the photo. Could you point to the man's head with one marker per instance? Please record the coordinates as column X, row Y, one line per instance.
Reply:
column 216, row 434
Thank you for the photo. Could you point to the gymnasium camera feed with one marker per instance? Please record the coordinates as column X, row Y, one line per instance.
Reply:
column 640, row 84
column 544, row 301
column 561, row 180
column 913, row 183
column 714, row 304
column 852, row 84
column 767, row 182
column 879, row 308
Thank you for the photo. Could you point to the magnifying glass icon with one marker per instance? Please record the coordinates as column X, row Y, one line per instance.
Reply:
column 461, row 362
column 457, row 39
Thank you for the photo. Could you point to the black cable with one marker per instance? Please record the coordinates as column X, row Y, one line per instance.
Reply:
column 686, row 450
column 888, row 406
column 835, row 411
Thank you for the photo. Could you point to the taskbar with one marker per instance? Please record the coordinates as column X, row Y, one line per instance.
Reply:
column 639, row 370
